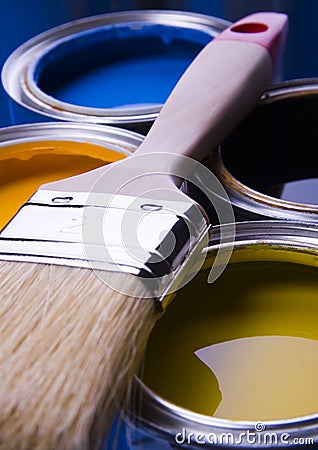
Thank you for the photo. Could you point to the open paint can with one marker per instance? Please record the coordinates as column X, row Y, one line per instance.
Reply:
column 234, row 363
column 31, row 155
column 117, row 68
column 269, row 164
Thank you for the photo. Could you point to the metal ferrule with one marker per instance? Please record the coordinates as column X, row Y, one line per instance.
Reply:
column 142, row 237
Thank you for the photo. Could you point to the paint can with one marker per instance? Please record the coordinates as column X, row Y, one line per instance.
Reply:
column 223, row 357
column 268, row 164
column 33, row 154
column 116, row 68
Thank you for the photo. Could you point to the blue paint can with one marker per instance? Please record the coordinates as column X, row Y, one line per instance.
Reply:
column 116, row 68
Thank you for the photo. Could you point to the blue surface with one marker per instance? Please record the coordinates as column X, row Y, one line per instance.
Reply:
column 21, row 20
column 126, row 436
column 117, row 439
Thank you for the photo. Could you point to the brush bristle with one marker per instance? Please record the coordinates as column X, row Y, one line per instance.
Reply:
column 68, row 347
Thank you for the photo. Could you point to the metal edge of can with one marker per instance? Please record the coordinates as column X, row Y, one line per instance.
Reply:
column 118, row 139
column 15, row 70
column 152, row 414
column 284, row 89
column 248, row 199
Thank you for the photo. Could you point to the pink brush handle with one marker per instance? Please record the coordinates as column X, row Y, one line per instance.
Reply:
column 218, row 89
column 266, row 29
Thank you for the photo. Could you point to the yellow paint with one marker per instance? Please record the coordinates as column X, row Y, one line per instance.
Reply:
column 26, row 166
column 265, row 377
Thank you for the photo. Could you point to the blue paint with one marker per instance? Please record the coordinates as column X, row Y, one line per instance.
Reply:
column 136, row 80
column 118, row 65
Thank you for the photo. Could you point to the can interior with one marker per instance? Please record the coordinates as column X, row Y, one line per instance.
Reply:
column 119, row 65
column 262, row 298
column 276, row 146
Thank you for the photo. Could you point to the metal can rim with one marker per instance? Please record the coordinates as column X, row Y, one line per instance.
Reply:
column 120, row 139
column 17, row 80
column 284, row 89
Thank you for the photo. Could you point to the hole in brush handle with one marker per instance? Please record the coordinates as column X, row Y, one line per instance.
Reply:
column 251, row 27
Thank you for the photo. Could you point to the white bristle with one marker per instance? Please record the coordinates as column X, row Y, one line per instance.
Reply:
column 68, row 347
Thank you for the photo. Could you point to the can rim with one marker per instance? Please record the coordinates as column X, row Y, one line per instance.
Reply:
column 284, row 89
column 124, row 141
column 17, row 72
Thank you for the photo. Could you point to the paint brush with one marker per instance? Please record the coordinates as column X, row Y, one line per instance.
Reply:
column 89, row 262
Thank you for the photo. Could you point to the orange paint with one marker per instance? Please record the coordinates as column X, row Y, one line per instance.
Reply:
column 26, row 166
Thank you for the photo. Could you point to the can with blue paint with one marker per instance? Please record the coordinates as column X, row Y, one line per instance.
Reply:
column 116, row 68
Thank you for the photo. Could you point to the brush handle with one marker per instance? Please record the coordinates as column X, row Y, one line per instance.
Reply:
column 218, row 89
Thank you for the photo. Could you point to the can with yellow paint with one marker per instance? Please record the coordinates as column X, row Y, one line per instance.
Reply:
column 235, row 363
column 34, row 154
